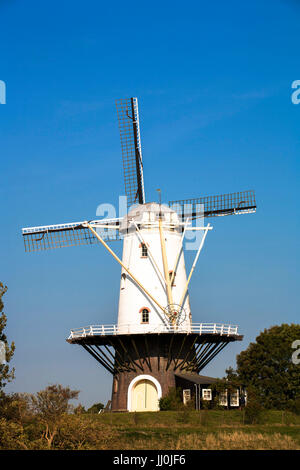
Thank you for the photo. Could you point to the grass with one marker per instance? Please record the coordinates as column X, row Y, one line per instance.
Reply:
column 209, row 429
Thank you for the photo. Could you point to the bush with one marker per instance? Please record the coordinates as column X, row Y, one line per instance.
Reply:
column 165, row 404
column 171, row 401
column 12, row 436
column 253, row 410
column 294, row 406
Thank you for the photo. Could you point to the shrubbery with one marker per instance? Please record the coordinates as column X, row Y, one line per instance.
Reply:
column 171, row 401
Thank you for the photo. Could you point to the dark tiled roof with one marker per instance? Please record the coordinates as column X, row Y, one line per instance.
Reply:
column 197, row 379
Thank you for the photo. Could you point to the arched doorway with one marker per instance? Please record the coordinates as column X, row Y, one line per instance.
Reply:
column 143, row 394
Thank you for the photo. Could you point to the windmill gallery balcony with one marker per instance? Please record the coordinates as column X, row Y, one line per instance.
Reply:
column 195, row 328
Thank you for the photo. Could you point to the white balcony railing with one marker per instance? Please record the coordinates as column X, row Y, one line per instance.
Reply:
column 199, row 328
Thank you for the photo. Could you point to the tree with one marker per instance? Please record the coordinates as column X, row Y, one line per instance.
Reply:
column 95, row 408
column 15, row 407
column 79, row 409
column 51, row 405
column 5, row 374
column 267, row 367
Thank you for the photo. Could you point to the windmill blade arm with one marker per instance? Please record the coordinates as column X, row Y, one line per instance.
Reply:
column 70, row 234
column 216, row 206
column 129, row 125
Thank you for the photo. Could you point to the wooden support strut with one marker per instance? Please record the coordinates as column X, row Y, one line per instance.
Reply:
column 217, row 351
column 128, row 355
column 194, row 265
column 178, row 355
column 121, row 364
column 169, row 353
column 123, row 266
column 193, row 360
column 96, row 356
column 212, row 348
column 136, row 351
column 165, row 263
column 190, row 352
column 166, row 269
column 148, row 361
column 179, row 252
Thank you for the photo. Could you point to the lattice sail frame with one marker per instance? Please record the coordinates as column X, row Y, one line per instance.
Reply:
column 128, row 117
column 70, row 234
column 215, row 206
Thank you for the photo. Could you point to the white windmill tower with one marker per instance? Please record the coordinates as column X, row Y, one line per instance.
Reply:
column 154, row 340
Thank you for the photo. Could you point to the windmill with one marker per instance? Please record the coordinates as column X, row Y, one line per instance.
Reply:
column 155, row 340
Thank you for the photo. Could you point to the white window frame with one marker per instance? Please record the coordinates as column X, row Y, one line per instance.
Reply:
column 143, row 312
column 223, row 398
column 205, row 392
column 236, row 396
column 186, row 395
column 143, row 247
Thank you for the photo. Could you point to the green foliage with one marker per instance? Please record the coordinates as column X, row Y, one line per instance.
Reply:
column 294, row 406
column 51, row 405
column 152, row 431
column 15, row 407
column 136, row 418
column 267, row 367
column 78, row 432
column 171, row 401
column 215, row 404
column 231, row 382
column 52, row 402
column 5, row 374
column 253, row 410
column 95, row 408
column 205, row 404
column 79, row 409
column 12, row 436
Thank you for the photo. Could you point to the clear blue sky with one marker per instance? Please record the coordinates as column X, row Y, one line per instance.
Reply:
column 214, row 86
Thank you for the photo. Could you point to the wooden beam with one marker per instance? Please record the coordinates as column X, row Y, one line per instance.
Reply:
column 92, row 353
column 169, row 353
column 188, row 354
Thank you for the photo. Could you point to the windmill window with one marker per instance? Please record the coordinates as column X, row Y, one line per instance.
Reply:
column 123, row 281
column 145, row 315
column 170, row 276
column 144, row 250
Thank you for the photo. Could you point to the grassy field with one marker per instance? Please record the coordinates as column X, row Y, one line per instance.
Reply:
column 208, row 429
column 166, row 430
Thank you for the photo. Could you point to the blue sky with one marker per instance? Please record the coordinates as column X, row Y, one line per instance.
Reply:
column 214, row 86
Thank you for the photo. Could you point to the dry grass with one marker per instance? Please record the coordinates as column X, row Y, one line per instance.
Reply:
column 237, row 441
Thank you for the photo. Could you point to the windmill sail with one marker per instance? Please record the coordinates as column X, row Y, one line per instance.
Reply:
column 70, row 234
column 214, row 206
column 128, row 116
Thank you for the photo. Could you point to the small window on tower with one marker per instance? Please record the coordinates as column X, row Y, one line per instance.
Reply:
column 123, row 281
column 172, row 278
column 145, row 315
column 144, row 250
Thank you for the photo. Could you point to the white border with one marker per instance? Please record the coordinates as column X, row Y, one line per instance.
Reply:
column 137, row 379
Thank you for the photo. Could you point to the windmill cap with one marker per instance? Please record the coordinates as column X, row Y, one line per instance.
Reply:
column 147, row 213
